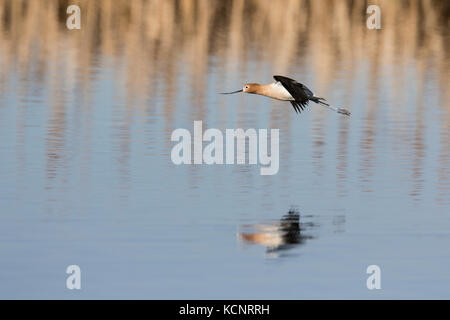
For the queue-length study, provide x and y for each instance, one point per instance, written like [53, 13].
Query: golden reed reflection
[154, 39]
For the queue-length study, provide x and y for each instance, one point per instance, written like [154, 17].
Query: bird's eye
[246, 87]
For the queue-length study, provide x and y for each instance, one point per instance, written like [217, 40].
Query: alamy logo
[213, 153]
[74, 280]
[374, 20]
[74, 20]
[374, 280]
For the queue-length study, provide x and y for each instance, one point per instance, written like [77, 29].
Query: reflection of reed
[370, 125]
[159, 32]
[154, 39]
[418, 141]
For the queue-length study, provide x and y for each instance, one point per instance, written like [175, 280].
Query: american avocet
[287, 89]
[276, 235]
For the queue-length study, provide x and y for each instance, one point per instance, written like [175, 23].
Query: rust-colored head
[248, 88]
[251, 87]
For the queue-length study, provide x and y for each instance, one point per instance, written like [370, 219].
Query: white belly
[277, 91]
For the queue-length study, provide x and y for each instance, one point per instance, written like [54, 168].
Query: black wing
[298, 91]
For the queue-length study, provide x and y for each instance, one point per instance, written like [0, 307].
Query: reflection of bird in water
[287, 89]
[279, 235]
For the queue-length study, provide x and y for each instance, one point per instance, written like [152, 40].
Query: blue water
[86, 179]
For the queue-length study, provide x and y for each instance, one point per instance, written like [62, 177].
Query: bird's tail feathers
[317, 99]
[321, 102]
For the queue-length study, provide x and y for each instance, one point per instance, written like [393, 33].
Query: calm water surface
[86, 176]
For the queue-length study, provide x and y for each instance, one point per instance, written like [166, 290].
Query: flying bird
[287, 89]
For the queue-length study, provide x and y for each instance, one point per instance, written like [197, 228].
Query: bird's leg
[338, 110]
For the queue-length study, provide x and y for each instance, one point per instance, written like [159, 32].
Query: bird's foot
[344, 111]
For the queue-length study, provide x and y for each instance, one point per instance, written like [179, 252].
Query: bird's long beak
[231, 92]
